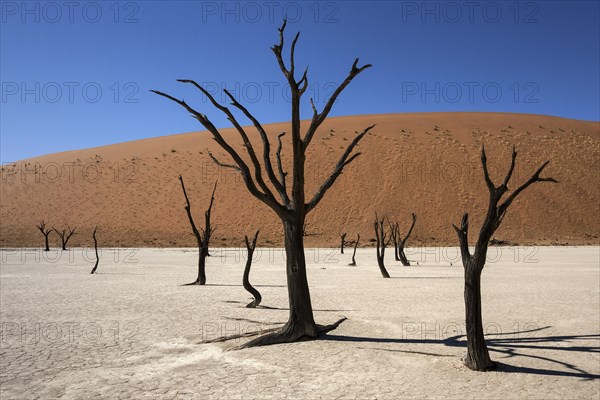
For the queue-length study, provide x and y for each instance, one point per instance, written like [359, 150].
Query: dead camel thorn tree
[46, 233]
[477, 357]
[96, 249]
[382, 242]
[343, 242]
[246, 279]
[400, 243]
[64, 235]
[202, 236]
[291, 207]
[353, 263]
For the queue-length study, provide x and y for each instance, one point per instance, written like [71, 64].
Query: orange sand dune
[424, 162]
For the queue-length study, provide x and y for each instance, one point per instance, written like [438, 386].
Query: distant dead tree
[246, 281]
[353, 263]
[477, 357]
[382, 242]
[343, 241]
[394, 233]
[96, 249]
[46, 233]
[291, 207]
[399, 243]
[202, 236]
[64, 235]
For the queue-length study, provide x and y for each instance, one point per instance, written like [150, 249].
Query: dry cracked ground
[132, 330]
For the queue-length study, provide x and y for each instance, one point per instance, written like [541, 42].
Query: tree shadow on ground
[277, 308]
[509, 346]
[227, 284]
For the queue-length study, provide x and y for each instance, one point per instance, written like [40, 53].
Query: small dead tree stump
[343, 242]
[46, 233]
[246, 281]
[382, 242]
[353, 263]
[202, 235]
[64, 235]
[96, 249]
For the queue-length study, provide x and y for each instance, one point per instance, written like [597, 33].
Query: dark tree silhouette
[382, 242]
[96, 249]
[64, 235]
[291, 208]
[246, 280]
[353, 263]
[477, 357]
[46, 233]
[202, 235]
[400, 244]
[394, 233]
[343, 242]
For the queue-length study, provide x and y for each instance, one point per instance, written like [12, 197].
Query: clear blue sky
[78, 75]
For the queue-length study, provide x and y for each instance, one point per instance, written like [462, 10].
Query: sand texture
[132, 331]
[426, 162]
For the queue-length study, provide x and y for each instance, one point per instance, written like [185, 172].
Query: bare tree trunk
[343, 242]
[353, 263]
[380, 236]
[478, 357]
[246, 280]
[394, 234]
[293, 207]
[402, 242]
[301, 321]
[202, 236]
[46, 233]
[64, 236]
[96, 249]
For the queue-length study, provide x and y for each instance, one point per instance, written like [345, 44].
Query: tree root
[195, 283]
[471, 364]
[288, 334]
[240, 335]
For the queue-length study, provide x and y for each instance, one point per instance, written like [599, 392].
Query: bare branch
[486, 174]
[221, 164]
[277, 50]
[189, 212]
[282, 174]
[463, 237]
[292, 51]
[337, 171]
[511, 169]
[318, 118]
[266, 146]
[412, 225]
[534, 178]
[245, 171]
[241, 131]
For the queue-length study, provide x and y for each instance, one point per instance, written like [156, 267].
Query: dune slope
[425, 162]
